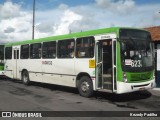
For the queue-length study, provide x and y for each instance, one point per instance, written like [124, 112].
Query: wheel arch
[23, 71]
[81, 75]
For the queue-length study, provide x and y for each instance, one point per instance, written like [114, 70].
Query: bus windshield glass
[136, 50]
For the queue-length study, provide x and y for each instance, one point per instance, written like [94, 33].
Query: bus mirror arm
[98, 64]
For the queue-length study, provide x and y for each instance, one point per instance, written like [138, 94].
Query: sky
[56, 17]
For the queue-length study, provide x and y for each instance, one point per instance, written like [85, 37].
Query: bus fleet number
[136, 63]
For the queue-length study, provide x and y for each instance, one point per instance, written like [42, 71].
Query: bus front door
[105, 66]
[15, 60]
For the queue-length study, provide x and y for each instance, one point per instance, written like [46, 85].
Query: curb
[156, 89]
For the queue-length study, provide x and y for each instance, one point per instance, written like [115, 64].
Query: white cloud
[55, 22]
[44, 27]
[9, 10]
[156, 16]
[16, 24]
[146, 15]
[16, 28]
[121, 6]
[9, 30]
[68, 18]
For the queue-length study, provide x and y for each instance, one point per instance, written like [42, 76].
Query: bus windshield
[136, 50]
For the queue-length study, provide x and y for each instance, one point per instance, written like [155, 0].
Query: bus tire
[25, 77]
[85, 86]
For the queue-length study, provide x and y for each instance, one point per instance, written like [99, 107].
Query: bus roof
[69, 36]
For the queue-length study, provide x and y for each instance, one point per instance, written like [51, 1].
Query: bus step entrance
[107, 81]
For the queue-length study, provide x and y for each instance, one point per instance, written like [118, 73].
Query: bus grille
[139, 77]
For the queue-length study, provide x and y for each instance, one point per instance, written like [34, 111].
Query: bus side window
[8, 53]
[49, 50]
[24, 52]
[35, 51]
[85, 47]
[66, 48]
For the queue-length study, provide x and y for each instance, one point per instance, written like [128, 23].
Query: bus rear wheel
[85, 87]
[25, 77]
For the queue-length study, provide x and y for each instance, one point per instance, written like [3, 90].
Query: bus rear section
[1, 59]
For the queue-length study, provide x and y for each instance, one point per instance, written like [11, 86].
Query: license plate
[142, 88]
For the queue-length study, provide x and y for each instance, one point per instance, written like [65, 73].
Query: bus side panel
[33, 66]
[8, 69]
[82, 66]
[59, 71]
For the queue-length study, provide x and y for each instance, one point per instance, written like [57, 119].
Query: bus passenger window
[8, 53]
[66, 48]
[85, 47]
[35, 51]
[24, 52]
[49, 50]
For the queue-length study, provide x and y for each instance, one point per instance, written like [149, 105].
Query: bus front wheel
[25, 78]
[85, 87]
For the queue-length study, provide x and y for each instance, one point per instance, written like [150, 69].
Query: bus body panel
[54, 71]
[9, 65]
[82, 65]
[59, 71]
[34, 68]
[1, 72]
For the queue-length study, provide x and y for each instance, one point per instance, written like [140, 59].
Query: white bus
[98, 60]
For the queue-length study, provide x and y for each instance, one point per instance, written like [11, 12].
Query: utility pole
[33, 19]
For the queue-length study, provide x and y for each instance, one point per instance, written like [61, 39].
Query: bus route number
[136, 63]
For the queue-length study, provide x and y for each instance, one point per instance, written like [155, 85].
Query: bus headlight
[124, 77]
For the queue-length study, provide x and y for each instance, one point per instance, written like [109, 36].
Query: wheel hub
[25, 78]
[85, 86]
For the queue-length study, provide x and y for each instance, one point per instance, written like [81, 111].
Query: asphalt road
[14, 96]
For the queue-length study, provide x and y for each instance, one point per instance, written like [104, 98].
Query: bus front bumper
[123, 87]
[1, 72]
